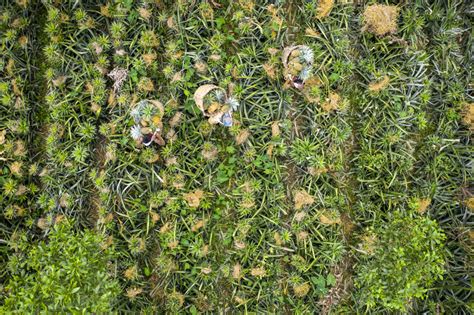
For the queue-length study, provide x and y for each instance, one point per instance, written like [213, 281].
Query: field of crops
[247, 156]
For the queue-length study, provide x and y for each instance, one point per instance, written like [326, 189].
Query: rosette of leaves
[215, 103]
[298, 64]
[148, 118]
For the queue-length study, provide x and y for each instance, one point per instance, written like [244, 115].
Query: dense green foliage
[67, 273]
[353, 195]
[407, 259]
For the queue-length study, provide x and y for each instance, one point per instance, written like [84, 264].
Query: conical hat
[201, 92]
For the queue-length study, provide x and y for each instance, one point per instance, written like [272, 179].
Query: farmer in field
[148, 126]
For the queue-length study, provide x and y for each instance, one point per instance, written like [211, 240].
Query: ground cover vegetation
[236, 156]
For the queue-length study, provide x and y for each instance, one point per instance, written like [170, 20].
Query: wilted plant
[381, 19]
[468, 115]
[324, 8]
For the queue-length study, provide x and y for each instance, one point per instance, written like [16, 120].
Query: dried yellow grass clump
[324, 8]
[470, 203]
[381, 19]
[2, 136]
[423, 205]
[275, 129]
[198, 225]
[301, 290]
[258, 272]
[270, 70]
[302, 198]
[368, 243]
[131, 273]
[194, 198]
[379, 85]
[468, 116]
[237, 271]
[242, 137]
[331, 103]
[329, 217]
[133, 292]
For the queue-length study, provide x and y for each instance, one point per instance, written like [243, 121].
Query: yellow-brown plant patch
[20, 150]
[198, 225]
[301, 236]
[329, 217]
[316, 171]
[379, 85]
[470, 203]
[204, 250]
[200, 66]
[247, 203]
[423, 205]
[302, 198]
[324, 8]
[133, 292]
[166, 228]
[332, 102]
[368, 243]
[276, 129]
[15, 168]
[468, 116]
[22, 189]
[237, 271]
[131, 273]
[42, 223]
[381, 19]
[206, 270]
[210, 154]
[270, 70]
[2, 136]
[278, 239]
[301, 290]
[176, 119]
[194, 199]
[258, 272]
[149, 58]
[144, 13]
[312, 32]
[239, 245]
[242, 137]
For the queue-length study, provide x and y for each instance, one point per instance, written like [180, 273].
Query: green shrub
[406, 260]
[66, 273]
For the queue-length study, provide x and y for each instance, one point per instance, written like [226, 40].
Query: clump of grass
[332, 103]
[324, 8]
[468, 115]
[381, 19]
[379, 85]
